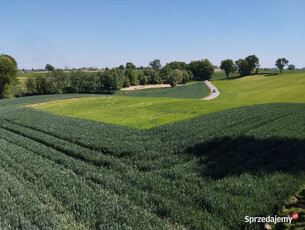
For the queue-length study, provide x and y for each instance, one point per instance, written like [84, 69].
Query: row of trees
[244, 66]
[109, 81]
[58, 81]
[249, 65]
[202, 70]
[173, 73]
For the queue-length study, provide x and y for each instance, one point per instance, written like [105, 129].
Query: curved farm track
[214, 91]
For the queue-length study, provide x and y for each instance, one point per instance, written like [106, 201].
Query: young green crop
[147, 112]
[192, 90]
[204, 173]
[207, 172]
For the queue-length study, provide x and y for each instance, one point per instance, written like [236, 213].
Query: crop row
[204, 173]
[153, 193]
[88, 203]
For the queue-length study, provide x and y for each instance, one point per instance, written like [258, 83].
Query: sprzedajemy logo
[271, 219]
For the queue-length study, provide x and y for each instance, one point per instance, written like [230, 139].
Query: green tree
[202, 69]
[253, 62]
[175, 77]
[77, 81]
[178, 65]
[291, 67]
[11, 58]
[280, 63]
[8, 74]
[243, 67]
[92, 83]
[31, 86]
[130, 65]
[49, 67]
[81, 82]
[237, 65]
[56, 81]
[133, 78]
[185, 77]
[41, 87]
[155, 65]
[228, 66]
[142, 78]
[165, 71]
[111, 80]
[126, 82]
[247, 65]
[191, 75]
[121, 67]
[152, 76]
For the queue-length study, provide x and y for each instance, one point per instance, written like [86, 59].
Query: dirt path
[213, 95]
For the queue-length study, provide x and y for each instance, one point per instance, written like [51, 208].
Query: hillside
[147, 112]
[172, 176]
[207, 171]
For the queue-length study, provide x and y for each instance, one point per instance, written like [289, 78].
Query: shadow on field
[224, 78]
[226, 156]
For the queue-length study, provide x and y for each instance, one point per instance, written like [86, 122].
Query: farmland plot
[204, 173]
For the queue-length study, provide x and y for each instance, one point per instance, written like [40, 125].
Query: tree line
[250, 65]
[57, 81]
[245, 66]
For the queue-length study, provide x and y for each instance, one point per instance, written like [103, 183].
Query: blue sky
[77, 33]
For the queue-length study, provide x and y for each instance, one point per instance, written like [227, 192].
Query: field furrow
[22, 161]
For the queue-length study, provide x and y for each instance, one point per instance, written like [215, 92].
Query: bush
[31, 86]
[291, 67]
[41, 85]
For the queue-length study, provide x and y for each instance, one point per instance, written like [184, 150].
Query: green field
[138, 112]
[192, 90]
[179, 163]
[203, 173]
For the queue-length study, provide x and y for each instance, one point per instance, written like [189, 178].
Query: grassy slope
[150, 112]
[222, 75]
[258, 89]
[130, 111]
[204, 173]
